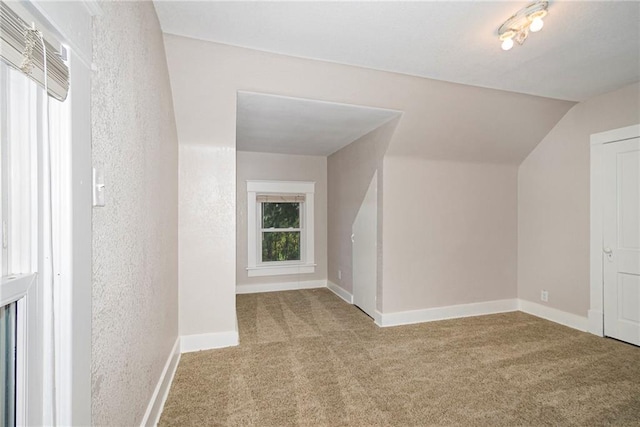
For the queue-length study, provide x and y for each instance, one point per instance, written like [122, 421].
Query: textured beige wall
[497, 127]
[135, 236]
[349, 172]
[281, 167]
[207, 242]
[449, 233]
[553, 205]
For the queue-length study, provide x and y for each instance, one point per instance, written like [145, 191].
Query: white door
[621, 243]
[364, 251]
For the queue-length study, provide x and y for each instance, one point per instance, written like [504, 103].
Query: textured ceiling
[585, 48]
[277, 124]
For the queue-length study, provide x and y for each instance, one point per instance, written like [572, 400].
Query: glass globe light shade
[507, 44]
[536, 25]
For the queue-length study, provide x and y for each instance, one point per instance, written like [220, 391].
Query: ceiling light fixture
[518, 26]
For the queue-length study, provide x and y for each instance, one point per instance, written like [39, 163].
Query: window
[26, 272]
[280, 227]
[8, 365]
[45, 214]
[20, 142]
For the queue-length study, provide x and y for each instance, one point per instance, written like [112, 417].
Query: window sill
[279, 270]
[15, 287]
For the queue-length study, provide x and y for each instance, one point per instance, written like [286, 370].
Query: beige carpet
[308, 358]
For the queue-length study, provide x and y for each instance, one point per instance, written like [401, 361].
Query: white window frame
[306, 265]
[68, 23]
[22, 272]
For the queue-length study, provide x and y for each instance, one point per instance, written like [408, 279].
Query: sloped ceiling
[586, 47]
[440, 120]
[277, 124]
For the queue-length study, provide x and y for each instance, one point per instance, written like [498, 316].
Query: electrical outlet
[544, 296]
[339, 274]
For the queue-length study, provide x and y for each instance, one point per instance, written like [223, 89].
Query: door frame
[598, 140]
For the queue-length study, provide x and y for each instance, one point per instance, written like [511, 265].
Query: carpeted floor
[307, 358]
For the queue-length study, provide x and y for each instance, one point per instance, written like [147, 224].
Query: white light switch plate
[98, 187]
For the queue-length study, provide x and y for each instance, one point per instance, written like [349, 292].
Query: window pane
[280, 215]
[8, 365]
[281, 246]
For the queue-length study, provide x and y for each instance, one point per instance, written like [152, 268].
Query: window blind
[20, 47]
[280, 198]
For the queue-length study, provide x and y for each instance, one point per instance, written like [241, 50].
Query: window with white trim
[280, 228]
[21, 141]
[33, 131]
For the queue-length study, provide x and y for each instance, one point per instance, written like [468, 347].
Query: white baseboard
[553, 314]
[377, 318]
[159, 397]
[340, 292]
[596, 322]
[275, 287]
[448, 312]
[198, 342]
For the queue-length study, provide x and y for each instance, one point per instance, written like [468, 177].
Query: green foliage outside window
[280, 245]
[281, 215]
